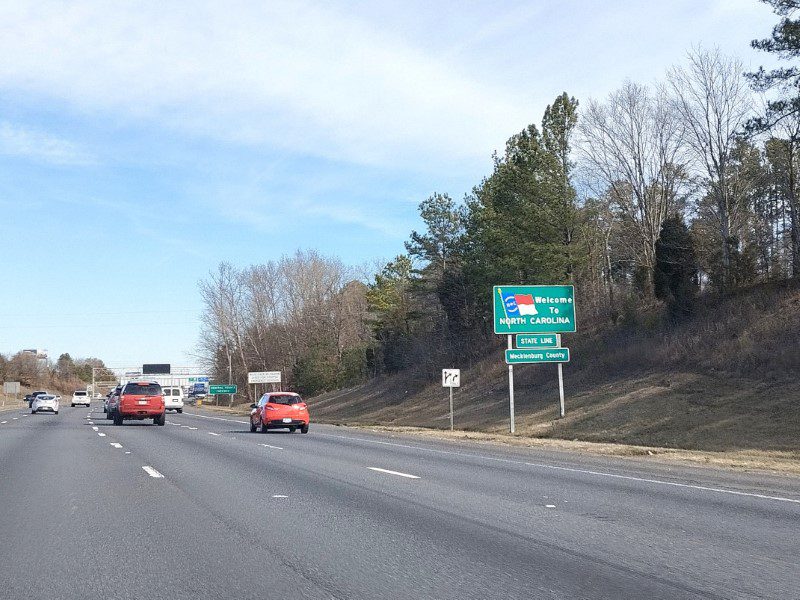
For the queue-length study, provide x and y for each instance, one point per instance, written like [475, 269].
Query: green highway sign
[222, 389]
[552, 355]
[547, 340]
[533, 308]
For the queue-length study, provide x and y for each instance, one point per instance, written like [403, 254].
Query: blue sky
[142, 145]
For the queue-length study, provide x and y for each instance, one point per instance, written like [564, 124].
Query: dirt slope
[727, 379]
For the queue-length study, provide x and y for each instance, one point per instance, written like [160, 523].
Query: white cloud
[20, 141]
[299, 76]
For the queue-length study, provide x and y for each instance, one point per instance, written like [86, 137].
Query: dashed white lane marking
[549, 505]
[127, 452]
[3, 422]
[568, 469]
[116, 445]
[91, 422]
[102, 434]
[23, 416]
[152, 472]
[13, 418]
[216, 418]
[268, 446]
[95, 429]
[279, 496]
[193, 428]
[212, 433]
[185, 426]
[398, 473]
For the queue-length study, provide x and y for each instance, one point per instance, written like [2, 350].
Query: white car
[80, 397]
[173, 398]
[45, 403]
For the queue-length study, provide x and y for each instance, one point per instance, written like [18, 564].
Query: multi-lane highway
[201, 508]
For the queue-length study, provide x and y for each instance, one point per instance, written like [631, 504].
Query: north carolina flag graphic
[525, 304]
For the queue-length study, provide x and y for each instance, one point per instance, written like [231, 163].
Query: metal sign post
[451, 378]
[511, 388]
[560, 383]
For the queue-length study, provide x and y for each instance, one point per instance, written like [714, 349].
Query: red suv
[279, 410]
[138, 400]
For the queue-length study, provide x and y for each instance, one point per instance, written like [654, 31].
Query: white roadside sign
[264, 377]
[451, 378]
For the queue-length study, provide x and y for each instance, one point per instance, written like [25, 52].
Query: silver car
[45, 403]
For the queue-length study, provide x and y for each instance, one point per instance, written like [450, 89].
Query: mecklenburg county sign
[534, 309]
[550, 355]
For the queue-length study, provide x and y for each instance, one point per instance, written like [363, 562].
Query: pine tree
[675, 271]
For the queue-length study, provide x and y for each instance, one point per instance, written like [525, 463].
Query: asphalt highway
[202, 508]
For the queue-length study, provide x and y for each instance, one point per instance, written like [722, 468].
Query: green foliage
[785, 43]
[674, 277]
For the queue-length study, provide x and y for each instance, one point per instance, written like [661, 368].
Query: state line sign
[533, 308]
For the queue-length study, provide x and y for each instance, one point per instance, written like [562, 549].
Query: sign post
[537, 315]
[451, 378]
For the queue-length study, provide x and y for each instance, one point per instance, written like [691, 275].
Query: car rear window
[142, 389]
[168, 391]
[79, 394]
[285, 399]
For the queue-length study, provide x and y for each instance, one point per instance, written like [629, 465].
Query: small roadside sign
[11, 387]
[222, 389]
[552, 355]
[264, 377]
[533, 308]
[451, 378]
[534, 340]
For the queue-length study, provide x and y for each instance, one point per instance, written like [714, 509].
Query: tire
[72, 406]
[253, 427]
[160, 420]
[304, 428]
[180, 410]
[108, 416]
[33, 412]
[117, 418]
[56, 412]
[263, 428]
[292, 429]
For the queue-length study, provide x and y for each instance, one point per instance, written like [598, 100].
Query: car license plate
[142, 402]
[287, 420]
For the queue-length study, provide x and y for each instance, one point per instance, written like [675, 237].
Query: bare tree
[714, 102]
[632, 147]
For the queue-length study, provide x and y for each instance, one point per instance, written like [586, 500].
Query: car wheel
[253, 427]
[304, 428]
[292, 429]
[56, 412]
[117, 418]
[263, 428]
[161, 419]
[72, 406]
[180, 410]
[33, 412]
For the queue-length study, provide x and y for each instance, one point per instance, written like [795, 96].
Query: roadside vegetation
[673, 208]
[65, 375]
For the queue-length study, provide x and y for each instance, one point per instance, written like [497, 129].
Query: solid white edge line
[398, 473]
[152, 472]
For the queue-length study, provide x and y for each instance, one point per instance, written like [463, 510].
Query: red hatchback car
[279, 410]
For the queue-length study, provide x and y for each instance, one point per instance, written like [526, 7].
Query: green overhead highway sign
[546, 340]
[552, 355]
[533, 308]
[222, 389]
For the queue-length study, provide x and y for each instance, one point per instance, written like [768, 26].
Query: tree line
[649, 197]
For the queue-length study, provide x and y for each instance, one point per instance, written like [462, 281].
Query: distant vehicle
[80, 397]
[279, 410]
[137, 400]
[29, 398]
[198, 390]
[173, 398]
[45, 403]
[108, 398]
